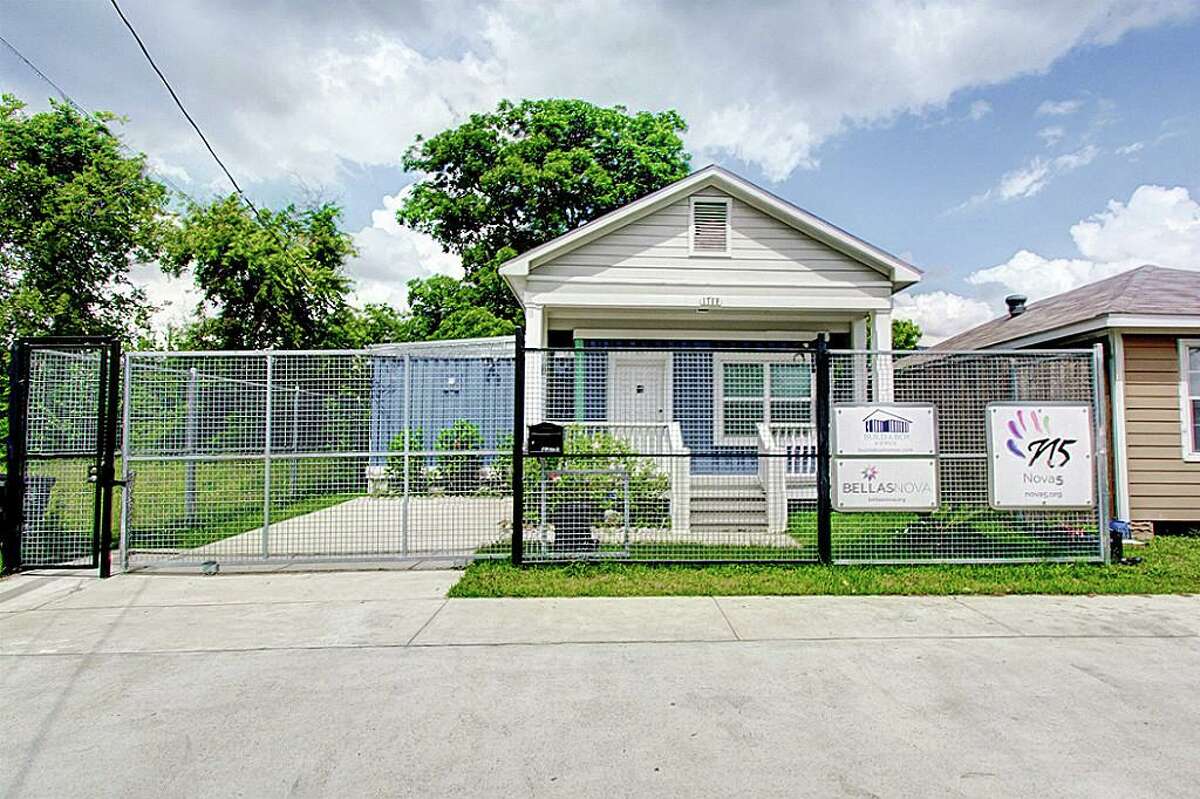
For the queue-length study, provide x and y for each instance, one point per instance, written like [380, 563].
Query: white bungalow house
[712, 262]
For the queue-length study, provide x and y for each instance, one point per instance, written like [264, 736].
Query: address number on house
[870, 484]
[884, 429]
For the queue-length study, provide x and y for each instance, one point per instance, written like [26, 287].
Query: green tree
[272, 281]
[509, 180]
[75, 213]
[906, 334]
[374, 323]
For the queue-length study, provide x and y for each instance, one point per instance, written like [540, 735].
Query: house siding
[482, 394]
[1162, 485]
[768, 259]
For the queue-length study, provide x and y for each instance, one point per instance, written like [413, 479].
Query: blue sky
[999, 145]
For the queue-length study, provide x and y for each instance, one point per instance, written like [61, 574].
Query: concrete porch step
[740, 505]
[737, 518]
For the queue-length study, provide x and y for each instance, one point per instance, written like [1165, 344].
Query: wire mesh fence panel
[391, 452]
[677, 452]
[965, 525]
[61, 425]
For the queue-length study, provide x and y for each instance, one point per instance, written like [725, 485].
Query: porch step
[748, 503]
[741, 521]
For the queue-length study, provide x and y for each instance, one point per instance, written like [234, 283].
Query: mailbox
[545, 438]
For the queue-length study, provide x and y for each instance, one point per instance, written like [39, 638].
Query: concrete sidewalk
[370, 683]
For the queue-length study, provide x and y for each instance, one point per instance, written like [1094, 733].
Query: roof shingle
[1147, 290]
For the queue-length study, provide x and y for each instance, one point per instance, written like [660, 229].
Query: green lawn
[1170, 565]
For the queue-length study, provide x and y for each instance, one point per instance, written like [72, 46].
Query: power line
[196, 127]
[179, 103]
[89, 115]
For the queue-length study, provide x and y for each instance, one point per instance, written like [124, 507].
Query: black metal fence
[713, 451]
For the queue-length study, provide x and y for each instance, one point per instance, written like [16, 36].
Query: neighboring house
[1148, 320]
[711, 262]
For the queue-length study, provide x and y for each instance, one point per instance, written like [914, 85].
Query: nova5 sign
[1040, 456]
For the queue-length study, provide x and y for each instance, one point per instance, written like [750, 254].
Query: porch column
[858, 341]
[881, 341]
[535, 364]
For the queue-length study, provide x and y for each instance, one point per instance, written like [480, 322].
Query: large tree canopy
[272, 281]
[75, 213]
[506, 181]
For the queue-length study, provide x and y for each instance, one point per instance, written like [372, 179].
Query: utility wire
[89, 115]
[196, 127]
[179, 103]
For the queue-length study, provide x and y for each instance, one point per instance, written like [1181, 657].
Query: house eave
[900, 273]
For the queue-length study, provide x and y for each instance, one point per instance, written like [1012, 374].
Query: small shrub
[649, 487]
[460, 473]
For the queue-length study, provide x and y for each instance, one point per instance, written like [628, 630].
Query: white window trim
[1190, 454]
[720, 360]
[728, 203]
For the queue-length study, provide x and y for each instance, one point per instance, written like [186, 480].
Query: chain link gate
[720, 451]
[61, 448]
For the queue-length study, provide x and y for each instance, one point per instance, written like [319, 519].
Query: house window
[1189, 397]
[709, 226]
[753, 389]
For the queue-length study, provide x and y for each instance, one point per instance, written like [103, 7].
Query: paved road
[370, 684]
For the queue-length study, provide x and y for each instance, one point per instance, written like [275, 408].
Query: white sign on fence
[884, 429]
[868, 484]
[1040, 456]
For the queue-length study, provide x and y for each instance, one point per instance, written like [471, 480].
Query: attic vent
[710, 226]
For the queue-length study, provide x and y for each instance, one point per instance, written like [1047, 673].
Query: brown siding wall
[1162, 486]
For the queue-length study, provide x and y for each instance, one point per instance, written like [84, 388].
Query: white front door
[638, 391]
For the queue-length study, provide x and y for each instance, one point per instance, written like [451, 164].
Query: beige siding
[1162, 485]
[768, 259]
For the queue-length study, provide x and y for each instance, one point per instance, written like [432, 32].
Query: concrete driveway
[371, 684]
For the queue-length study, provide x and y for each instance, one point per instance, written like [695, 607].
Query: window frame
[728, 203]
[1187, 423]
[723, 359]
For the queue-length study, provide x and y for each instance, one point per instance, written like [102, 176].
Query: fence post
[109, 445]
[407, 450]
[126, 469]
[1100, 434]
[518, 450]
[14, 493]
[824, 499]
[189, 448]
[266, 526]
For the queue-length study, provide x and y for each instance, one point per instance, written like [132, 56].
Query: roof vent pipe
[1016, 304]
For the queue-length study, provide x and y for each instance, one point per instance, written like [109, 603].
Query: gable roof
[1145, 291]
[898, 271]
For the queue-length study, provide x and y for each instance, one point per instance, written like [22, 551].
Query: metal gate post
[14, 494]
[518, 450]
[189, 447]
[126, 469]
[108, 470]
[824, 498]
[266, 526]
[407, 452]
[1100, 435]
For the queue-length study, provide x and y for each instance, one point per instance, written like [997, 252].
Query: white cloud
[1052, 134]
[1029, 179]
[390, 254]
[1158, 225]
[175, 298]
[303, 88]
[941, 314]
[1132, 148]
[1059, 108]
[978, 110]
